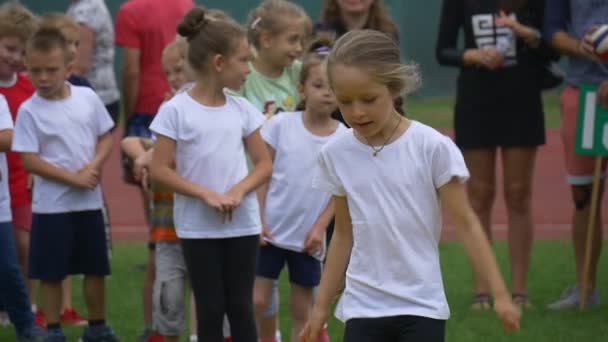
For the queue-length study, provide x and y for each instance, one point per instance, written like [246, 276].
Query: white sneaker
[570, 299]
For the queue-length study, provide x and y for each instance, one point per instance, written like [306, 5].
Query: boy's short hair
[46, 39]
[59, 21]
[17, 21]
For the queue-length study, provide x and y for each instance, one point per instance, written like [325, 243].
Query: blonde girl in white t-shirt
[205, 133]
[390, 177]
[295, 216]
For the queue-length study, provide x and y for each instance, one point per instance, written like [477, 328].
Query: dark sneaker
[55, 336]
[33, 334]
[99, 334]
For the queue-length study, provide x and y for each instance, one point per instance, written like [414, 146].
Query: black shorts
[394, 329]
[68, 243]
[304, 270]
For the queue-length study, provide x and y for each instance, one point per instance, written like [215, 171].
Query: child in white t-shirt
[295, 217]
[390, 176]
[202, 135]
[13, 292]
[63, 135]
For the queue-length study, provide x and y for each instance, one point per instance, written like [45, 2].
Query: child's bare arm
[133, 147]
[86, 178]
[6, 138]
[314, 240]
[334, 271]
[454, 198]
[262, 191]
[102, 150]
[262, 171]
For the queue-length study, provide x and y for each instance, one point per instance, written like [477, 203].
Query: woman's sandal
[481, 302]
[522, 300]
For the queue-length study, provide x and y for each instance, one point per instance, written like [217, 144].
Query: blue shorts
[138, 125]
[304, 270]
[68, 243]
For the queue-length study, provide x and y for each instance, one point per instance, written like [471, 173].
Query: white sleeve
[325, 178]
[6, 121]
[25, 136]
[103, 119]
[447, 162]
[165, 122]
[252, 118]
[271, 131]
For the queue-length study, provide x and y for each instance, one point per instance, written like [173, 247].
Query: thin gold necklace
[378, 150]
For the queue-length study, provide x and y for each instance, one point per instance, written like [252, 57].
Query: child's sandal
[522, 300]
[481, 302]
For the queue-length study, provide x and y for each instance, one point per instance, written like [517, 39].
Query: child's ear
[218, 62]
[265, 40]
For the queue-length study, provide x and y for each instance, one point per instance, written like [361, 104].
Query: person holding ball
[569, 28]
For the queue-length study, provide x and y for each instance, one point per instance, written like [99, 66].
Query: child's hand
[508, 313]
[313, 245]
[87, 177]
[223, 205]
[315, 324]
[265, 236]
[139, 165]
[236, 195]
[145, 184]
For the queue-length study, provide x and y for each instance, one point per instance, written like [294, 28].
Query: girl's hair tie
[322, 50]
[255, 23]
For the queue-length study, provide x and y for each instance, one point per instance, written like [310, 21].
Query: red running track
[552, 205]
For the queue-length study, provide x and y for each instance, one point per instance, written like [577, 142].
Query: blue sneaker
[570, 299]
[33, 334]
[99, 334]
[55, 335]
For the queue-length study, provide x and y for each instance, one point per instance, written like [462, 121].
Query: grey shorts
[170, 289]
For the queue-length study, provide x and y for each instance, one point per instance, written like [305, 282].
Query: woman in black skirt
[498, 108]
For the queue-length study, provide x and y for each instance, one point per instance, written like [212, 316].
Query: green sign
[592, 124]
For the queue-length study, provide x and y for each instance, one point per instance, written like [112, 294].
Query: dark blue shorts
[304, 270]
[138, 125]
[68, 243]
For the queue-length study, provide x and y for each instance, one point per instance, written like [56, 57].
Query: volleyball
[600, 42]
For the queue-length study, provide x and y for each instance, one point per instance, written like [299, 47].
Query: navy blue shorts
[304, 270]
[68, 243]
[138, 125]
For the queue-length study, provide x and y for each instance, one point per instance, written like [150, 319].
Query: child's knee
[169, 317]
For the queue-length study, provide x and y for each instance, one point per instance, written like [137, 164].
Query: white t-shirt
[396, 216]
[6, 122]
[63, 133]
[210, 152]
[292, 206]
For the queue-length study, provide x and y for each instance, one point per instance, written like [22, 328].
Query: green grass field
[552, 269]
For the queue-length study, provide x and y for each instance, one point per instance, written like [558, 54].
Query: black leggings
[394, 329]
[222, 272]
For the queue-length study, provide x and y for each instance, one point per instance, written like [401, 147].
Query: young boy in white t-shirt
[63, 135]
